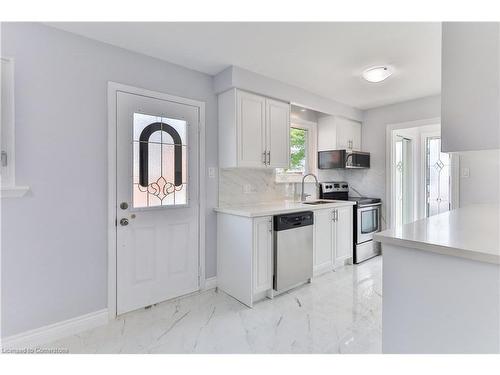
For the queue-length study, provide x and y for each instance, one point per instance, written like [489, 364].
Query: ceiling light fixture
[377, 73]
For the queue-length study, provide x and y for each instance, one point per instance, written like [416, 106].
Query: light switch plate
[211, 172]
[465, 173]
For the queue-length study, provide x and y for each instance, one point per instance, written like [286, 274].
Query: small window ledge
[13, 191]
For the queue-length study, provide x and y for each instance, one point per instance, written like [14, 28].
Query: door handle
[269, 158]
[124, 222]
[264, 157]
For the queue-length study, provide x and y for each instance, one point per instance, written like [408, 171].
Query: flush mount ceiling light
[377, 73]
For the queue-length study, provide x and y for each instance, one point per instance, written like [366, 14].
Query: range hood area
[343, 159]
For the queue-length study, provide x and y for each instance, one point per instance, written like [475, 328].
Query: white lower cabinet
[245, 256]
[323, 241]
[333, 238]
[262, 254]
[343, 236]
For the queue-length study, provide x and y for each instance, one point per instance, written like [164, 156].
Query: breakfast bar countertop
[470, 232]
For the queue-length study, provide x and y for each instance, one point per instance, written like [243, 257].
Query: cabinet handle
[264, 158]
[269, 158]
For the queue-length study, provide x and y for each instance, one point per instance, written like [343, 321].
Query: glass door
[403, 181]
[437, 178]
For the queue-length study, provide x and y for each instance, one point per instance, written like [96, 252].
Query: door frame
[389, 160]
[113, 89]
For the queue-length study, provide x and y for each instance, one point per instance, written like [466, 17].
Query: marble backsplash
[246, 186]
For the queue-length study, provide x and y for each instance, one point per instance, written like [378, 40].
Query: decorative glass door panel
[437, 178]
[403, 181]
[159, 175]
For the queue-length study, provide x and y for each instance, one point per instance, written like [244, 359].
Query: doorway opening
[423, 181]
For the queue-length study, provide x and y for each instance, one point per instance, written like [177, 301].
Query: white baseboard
[210, 283]
[322, 268]
[56, 331]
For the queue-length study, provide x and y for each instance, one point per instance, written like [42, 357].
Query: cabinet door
[327, 133]
[348, 134]
[356, 135]
[323, 238]
[278, 133]
[343, 234]
[251, 124]
[262, 254]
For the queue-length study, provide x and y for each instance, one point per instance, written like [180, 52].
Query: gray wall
[481, 186]
[54, 245]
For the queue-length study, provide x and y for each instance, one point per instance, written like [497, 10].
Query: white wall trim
[210, 283]
[56, 331]
[113, 88]
[14, 191]
[322, 269]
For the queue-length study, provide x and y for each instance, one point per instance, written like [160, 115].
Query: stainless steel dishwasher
[293, 249]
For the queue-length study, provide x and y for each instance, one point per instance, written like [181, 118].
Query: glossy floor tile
[339, 312]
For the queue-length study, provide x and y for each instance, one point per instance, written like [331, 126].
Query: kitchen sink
[317, 202]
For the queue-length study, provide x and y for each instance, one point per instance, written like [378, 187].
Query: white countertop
[277, 208]
[470, 232]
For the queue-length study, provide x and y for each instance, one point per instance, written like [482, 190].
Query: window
[8, 179]
[159, 175]
[302, 152]
[298, 150]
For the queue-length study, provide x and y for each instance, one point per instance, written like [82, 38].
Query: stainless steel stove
[366, 216]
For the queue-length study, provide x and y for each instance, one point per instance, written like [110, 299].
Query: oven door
[368, 221]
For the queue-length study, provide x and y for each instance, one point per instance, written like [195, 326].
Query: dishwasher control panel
[294, 220]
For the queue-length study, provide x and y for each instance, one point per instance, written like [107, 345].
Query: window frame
[312, 148]
[8, 187]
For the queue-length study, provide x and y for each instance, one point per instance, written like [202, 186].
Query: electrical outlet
[465, 173]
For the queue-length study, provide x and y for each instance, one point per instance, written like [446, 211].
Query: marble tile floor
[339, 312]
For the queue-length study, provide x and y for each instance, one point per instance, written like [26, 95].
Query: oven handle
[369, 205]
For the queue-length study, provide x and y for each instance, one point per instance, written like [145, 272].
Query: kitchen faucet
[302, 195]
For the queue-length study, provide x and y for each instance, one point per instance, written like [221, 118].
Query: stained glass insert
[159, 176]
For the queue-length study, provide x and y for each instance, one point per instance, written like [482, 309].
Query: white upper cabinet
[278, 133]
[338, 133]
[251, 129]
[470, 109]
[254, 131]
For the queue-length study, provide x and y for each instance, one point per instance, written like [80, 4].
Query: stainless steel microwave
[343, 159]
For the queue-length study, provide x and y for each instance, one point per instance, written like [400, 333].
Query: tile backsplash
[246, 186]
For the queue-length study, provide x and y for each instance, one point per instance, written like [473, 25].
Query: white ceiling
[324, 58]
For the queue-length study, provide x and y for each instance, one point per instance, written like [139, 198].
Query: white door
[262, 254]
[343, 233]
[251, 122]
[278, 133]
[157, 200]
[323, 238]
